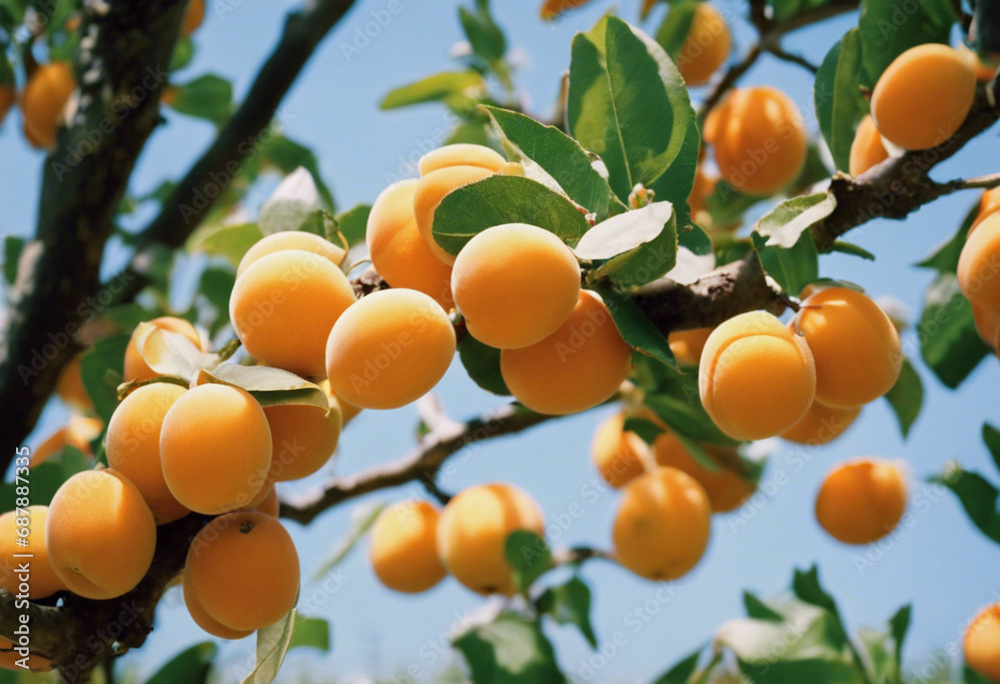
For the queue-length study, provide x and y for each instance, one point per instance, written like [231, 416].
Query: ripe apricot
[403, 549]
[988, 204]
[291, 239]
[271, 505]
[43, 100]
[618, 454]
[854, 344]
[133, 446]
[136, 367]
[662, 525]
[433, 188]
[7, 98]
[473, 530]
[706, 47]
[79, 432]
[977, 270]
[756, 378]
[100, 534]
[867, 149]
[70, 387]
[42, 580]
[515, 285]
[283, 308]
[389, 349]
[244, 570]
[931, 79]
[303, 437]
[193, 16]
[347, 410]
[399, 252]
[203, 619]
[759, 139]
[861, 501]
[215, 447]
[578, 366]
[821, 424]
[987, 324]
[687, 344]
[461, 154]
[9, 659]
[982, 643]
[725, 489]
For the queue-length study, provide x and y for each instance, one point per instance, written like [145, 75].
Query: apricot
[44, 98]
[987, 324]
[687, 344]
[283, 308]
[79, 432]
[759, 139]
[291, 239]
[982, 643]
[756, 379]
[42, 581]
[854, 344]
[100, 534]
[244, 570]
[861, 501]
[303, 437]
[553, 8]
[7, 98]
[821, 424]
[662, 525]
[389, 349]
[472, 535]
[348, 411]
[988, 204]
[515, 285]
[403, 549]
[193, 16]
[399, 252]
[433, 188]
[461, 154]
[575, 368]
[215, 447]
[867, 149]
[726, 491]
[706, 47]
[9, 659]
[977, 270]
[271, 505]
[136, 367]
[619, 455]
[70, 387]
[203, 619]
[133, 446]
[982, 68]
[932, 80]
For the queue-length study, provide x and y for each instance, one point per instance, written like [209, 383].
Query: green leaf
[183, 54]
[727, 205]
[569, 604]
[792, 268]
[977, 496]
[682, 671]
[969, 676]
[991, 437]
[47, 477]
[291, 204]
[206, 97]
[807, 587]
[839, 102]
[888, 30]
[945, 258]
[676, 26]
[906, 397]
[353, 224]
[191, 665]
[642, 244]
[678, 403]
[899, 625]
[272, 645]
[310, 632]
[852, 250]
[12, 247]
[101, 369]
[783, 225]
[627, 103]
[675, 186]
[496, 200]
[485, 37]
[216, 286]
[647, 430]
[949, 343]
[269, 386]
[548, 152]
[880, 663]
[288, 155]
[635, 327]
[510, 650]
[759, 610]
[229, 241]
[528, 555]
[362, 518]
[458, 84]
[482, 363]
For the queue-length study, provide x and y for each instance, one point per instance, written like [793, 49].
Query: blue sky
[936, 560]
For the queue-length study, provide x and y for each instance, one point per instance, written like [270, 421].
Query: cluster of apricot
[979, 268]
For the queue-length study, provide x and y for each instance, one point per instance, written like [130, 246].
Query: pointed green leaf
[206, 97]
[229, 241]
[991, 437]
[569, 604]
[977, 496]
[191, 665]
[839, 102]
[945, 258]
[47, 477]
[353, 224]
[682, 671]
[625, 233]
[676, 26]
[101, 368]
[783, 225]
[12, 246]
[291, 204]
[759, 610]
[792, 268]
[888, 30]
[906, 397]
[509, 650]
[310, 632]
[635, 327]
[272, 645]
[485, 37]
[949, 343]
[269, 386]
[482, 363]
[899, 625]
[528, 555]
[435, 89]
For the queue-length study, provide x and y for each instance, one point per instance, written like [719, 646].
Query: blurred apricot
[403, 549]
[861, 501]
[44, 98]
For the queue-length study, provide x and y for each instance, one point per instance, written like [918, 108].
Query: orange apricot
[271, 505]
[403, 549]
[706, 47]
[133, 446]
[348, 411]
[100, 534]
[553, 8]
[756, 378]
[618, 454]
[203, 619]
[977, 264]
[193, 16]
[136, 367]
[472, 535]
[867, 149]
[861, 501]
[854, 344]
[44, 98]
[433, 188]
[981, 645]
[303, 437]
[515, 285]
[931, 79]
[283, 308]
[79, 432]
[291, 239]
[461, 154]
[987, 324]
[215, 447]
[244, 570]
[726, 491]
[399, 252]
[70, 387]
[42, 580]
[687, 344]
[662, 525]
[575, 368]
[988, 204]
[389, 349]
[821, 424]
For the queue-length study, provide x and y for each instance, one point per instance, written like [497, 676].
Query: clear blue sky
[940, 562]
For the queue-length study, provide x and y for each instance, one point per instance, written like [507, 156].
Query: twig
[785, 56]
